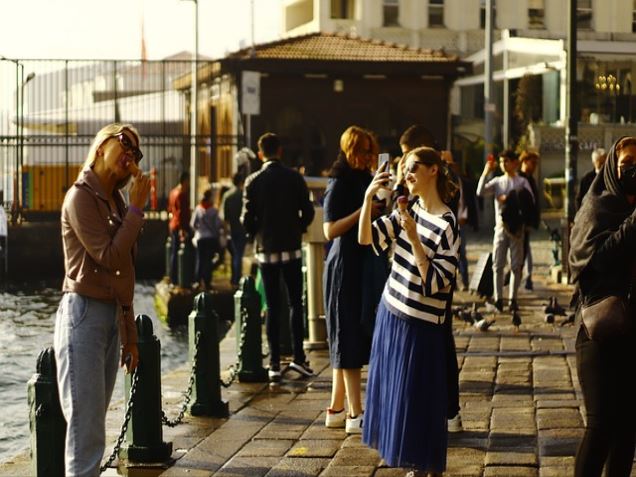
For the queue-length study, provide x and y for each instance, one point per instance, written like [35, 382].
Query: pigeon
[549, 318]
[483, 324]
[516, 319]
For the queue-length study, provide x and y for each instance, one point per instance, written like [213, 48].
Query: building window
[584, 14]
[436, 13]
[343, 9]
[634, 18]
[536, 12]
[482, 16]
[390, 10]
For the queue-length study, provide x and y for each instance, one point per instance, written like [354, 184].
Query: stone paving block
[484, 343]
[559, 419]
[546, 344]
[242, 466]
[559, 442]
[512, 420]
[183, 471]
[296, 467]
[479, 363]
[315, 448]
[469, 438]
[552, 404]
[557, 461]
[271, 401]
[515, 343]
[354, 440]
[393, 472]
[266, 448]
[458, 457]
[556, 471]
[555, 395]
[505, 471]
[481, 387]
[356, 456]
[507, 443]
[199, 459]
[512, 458]
[349, 471]
[500, 400]
[280, 431]
[319, 431]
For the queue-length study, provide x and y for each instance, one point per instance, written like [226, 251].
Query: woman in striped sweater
[405, 415]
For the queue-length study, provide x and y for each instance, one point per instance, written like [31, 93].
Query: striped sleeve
[443, 266]
[383, 232]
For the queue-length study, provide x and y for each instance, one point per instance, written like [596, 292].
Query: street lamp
[29, 77]
[193, 108]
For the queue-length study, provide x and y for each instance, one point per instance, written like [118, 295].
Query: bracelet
[136, 210]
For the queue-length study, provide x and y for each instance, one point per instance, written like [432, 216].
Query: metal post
[506, 98]
[144, 436]
[204, 348]
[46, 421]
[489, 105]
[571, 133]
[66, 129]
[193, 108]
[247, 316]
[314, 242]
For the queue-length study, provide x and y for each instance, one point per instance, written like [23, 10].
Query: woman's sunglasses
[414, 165]
[128, 146]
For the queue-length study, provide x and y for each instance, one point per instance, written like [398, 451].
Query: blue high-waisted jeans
[87, 353]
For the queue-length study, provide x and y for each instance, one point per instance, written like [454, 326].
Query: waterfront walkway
[520, 404]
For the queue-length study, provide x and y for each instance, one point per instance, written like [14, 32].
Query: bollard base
[313, 345]
[157, 453]
[257, 376]
[220, 408]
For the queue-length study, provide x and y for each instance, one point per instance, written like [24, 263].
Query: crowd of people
[397, 255]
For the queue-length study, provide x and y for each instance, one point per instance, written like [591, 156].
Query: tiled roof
[335, 47]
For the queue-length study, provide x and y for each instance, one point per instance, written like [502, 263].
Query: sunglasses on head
[128, 146]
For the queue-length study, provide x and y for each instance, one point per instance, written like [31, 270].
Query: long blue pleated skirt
[405, 413]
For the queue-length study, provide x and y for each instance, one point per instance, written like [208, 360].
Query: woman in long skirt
[405, 417]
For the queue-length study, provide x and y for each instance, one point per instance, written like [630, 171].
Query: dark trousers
[206, 249]
[452, 371]
[291, 273]
[174, 250]
[606, 374]
[237, 249]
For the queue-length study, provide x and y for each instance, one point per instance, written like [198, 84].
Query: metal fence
[50, 111]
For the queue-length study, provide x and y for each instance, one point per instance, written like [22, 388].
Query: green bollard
[247, 316]
[46, 421]
[185, 263]
[144, 436]
[206, 393]
[168, 256]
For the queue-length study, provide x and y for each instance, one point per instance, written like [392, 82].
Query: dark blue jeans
[205, 252]
[174, 250]
[291, 273]
[237, 249]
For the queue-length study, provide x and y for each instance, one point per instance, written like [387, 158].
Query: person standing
[413, 137]
[208, 229]
[505, 239]
[529, 162]
[179, 225]
[276, 212]
[603, 263]
[95, 316]
[353, 278]
[231, 206]
[406, 399]
[598, 159]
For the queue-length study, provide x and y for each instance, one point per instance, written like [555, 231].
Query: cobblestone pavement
[520, 405]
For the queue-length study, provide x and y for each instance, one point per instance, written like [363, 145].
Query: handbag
[607, 319]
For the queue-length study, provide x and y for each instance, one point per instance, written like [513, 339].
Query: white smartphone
[382, 159]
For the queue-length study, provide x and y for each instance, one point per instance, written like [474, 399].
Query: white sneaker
[455, 424]
[354, 424]
[335, 419]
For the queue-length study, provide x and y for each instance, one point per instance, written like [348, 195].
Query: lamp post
[29, 77]
[15, 204]
[193, 109]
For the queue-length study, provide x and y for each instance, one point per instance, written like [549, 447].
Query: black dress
[354, 276]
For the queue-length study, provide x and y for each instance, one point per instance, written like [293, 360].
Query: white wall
[614, 16]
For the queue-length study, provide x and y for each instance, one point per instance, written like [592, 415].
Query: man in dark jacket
[276, 212]
[598, 159]
[529, 161]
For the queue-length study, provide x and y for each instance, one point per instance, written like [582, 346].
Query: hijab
[604, 208]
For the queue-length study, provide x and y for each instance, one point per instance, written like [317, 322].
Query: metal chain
[188, 393]
[124, 426]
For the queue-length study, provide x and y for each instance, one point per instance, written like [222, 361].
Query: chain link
[188, 393]
[127, 416]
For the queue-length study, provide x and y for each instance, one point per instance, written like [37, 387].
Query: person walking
[95, 317]
[276, 212]
[353, 277]
[406, 398]
[602, 264]
[231, 205]
[598, 159]
[208, 230]
[505, 237]
[529, 161]
[179, 225]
